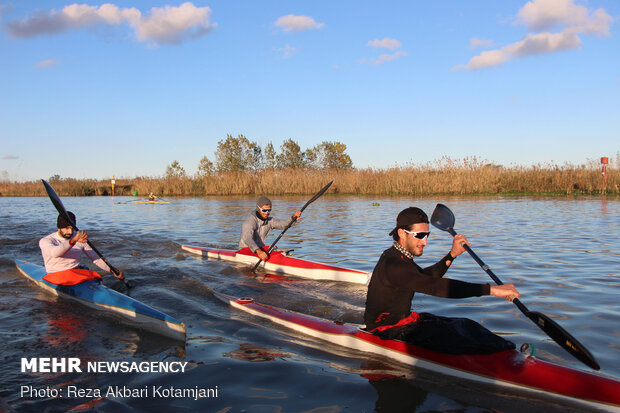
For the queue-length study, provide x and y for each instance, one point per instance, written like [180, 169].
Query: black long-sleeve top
[397, 278]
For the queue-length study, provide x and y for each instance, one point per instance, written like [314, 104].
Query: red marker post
[604, 161]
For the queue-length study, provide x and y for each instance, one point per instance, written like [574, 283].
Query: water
[562, 253]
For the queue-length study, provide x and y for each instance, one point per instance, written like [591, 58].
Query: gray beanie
[263, 200]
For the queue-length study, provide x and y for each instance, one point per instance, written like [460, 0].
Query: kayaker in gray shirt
[255, 229]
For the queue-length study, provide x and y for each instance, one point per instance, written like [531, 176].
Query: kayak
[96, 295]
[510, 369]
[281, 264]
[149, 202]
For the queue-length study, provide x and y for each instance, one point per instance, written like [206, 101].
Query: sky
[95, 90]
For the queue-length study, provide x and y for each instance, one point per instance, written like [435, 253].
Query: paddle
[62, 211]
[443, 219]
[314, 198]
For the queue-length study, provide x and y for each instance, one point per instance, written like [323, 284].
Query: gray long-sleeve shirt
[254, 230]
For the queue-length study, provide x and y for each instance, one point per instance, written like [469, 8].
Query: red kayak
[281, 264]
[509, 369]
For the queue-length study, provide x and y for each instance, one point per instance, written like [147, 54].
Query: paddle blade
[317, 195]
[442, 218]
[563, 338]
[58, 203]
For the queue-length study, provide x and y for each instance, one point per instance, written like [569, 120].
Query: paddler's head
[263, 207]
[412, 230]
[65, 228]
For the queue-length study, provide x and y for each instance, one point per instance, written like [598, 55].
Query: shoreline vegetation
[243, 167]
[445, 177]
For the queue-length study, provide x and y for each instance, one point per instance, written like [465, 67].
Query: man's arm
[440, 268]
[94, 257]
[408, 275]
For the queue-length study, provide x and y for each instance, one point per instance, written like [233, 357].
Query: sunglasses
[264, 209]
[419, 235]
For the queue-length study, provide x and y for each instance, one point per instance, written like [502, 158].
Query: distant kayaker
[396, 278]
[152, 197]
[255, 229]
[62, 251]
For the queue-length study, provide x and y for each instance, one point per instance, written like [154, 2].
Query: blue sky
[91, 90]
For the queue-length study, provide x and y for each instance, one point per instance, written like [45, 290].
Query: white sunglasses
[419, 235]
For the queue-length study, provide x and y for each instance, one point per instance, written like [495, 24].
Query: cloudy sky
[91, 90]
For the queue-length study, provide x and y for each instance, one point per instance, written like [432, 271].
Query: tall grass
[446, 176]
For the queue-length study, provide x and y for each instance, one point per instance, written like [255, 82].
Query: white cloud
[383, 58]
[297, 23]
[475, 43]
[385, 43]
[538, 15]
[174, 24]
[165, 25]
[10, 157]
[539, 43]
[47, 63]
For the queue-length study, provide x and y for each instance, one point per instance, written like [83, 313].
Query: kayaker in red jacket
[62, 251]
[396, 278]
[255, 229]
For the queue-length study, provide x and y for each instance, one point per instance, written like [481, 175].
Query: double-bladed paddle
[63, 212]
[443, 219]
[314, 198]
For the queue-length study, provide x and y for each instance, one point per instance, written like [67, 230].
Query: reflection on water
[562, 253]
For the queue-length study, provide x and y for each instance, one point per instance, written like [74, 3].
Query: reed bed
[444, 177]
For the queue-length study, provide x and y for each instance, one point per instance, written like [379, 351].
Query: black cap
[61, 222]
[409, 216]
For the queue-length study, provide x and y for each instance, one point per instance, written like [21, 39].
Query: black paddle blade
[58, 203]
[563, 338]
[442, 218]
[317, 195]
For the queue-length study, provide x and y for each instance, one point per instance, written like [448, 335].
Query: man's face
[412, 244]
[66, 232]
[264, 211]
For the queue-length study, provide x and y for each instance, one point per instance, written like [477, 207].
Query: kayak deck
[281, 264]
[509, 369]
[96, 295]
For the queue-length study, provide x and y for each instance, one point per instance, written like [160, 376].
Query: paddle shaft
[487, 269]
[314, 198]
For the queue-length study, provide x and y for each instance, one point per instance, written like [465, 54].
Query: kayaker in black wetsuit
[395, 280]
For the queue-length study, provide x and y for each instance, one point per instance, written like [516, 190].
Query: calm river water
[562, 253]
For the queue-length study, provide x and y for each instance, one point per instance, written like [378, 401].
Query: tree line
[242, 155]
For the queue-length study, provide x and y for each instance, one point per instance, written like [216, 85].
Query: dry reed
[444, 177]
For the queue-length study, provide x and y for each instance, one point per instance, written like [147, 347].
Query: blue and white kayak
[96, 295]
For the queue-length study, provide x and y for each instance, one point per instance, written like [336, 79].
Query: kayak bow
[508, 369]
[281, 264]
[96, 295]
